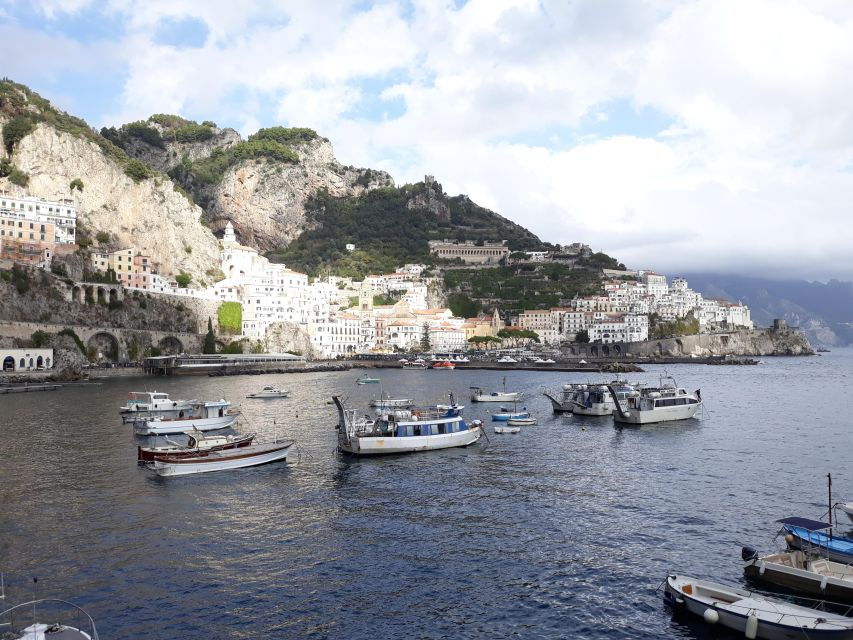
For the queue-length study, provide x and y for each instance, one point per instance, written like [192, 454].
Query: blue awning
[805, 523]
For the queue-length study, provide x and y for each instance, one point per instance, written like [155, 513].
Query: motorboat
[598, 400]
[521, 422]
[445, 365]
[58, 611]
[494, 396]
[251, 456]
[505, 415]
[404, 430]
[507, 359]
[197, 445]
[203, 416]
[801, 572]
[151, 404]
[753, 614]
[563, 401]
[418, 364]
[451, 406]
[269, 392]
[809, 535]
[665, 403]
[499, 428]
[387, 402]
[367, 380]
[846, 507]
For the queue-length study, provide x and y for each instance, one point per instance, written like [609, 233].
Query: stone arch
[593, 351]
[101, 293]
[39, 362]
[680, 345]
[617, 349]
[724, 340]
[32, 363]
[22, 364]
[105, 346]
[605, 350]
[8, 363]
[76, 293]
[113, 295]
[573, 351]
[170, 346]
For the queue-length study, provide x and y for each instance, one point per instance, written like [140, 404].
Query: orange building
[26, 241]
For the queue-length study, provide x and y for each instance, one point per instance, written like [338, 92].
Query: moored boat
[499, 428]
[404, 430]
[445, 365]
[367, 380]
[505, 415]
[598, 400]
[563, 401]
[152, 404]
[418, 364]
[495, 396]
[204, 416]
[387, 402]
[846, 507]
[195, 446]
[665, 403]
[808, 535]
[251, 456]
[801, 572]
[753, 614]
[269, 392]
[54, 609]
[521, 422]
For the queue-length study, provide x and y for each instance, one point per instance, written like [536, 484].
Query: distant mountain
[823, 310]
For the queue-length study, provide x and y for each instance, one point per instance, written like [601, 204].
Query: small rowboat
[754, 615]
[502, 429]
[196, 446]
[801, 572]
[367, 380]
[521, 422]
[251, 456]
[504, 416]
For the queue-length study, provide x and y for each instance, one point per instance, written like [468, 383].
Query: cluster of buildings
[33, 230]
[621, 313]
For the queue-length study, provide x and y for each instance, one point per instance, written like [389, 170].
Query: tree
[425, 345]
[16, 130]
[209, 345]
[183, 279]
[582, 336]
[76, 183]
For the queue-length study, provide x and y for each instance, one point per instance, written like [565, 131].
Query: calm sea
[564, 530]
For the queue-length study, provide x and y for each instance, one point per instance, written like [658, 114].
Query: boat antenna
[35, 582]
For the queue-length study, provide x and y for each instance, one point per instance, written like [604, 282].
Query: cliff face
[758, 342]
[149, 215]
[174, 151]
[265, 199]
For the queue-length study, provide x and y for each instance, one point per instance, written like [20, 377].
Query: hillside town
[383, 313]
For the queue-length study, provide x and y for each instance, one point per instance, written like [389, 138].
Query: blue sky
[698, 134]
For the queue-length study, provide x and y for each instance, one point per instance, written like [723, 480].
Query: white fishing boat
[846, 507]
[521, 422]
[499, 428]
[269, 392]
[801, 572]
[58, 611]
[387, 402]
[415, 365]
[665, 403]
[598, 400]
[203, 416]
[367, 380]
[404, 431]
[563, 401]
[251, 456]
[151, 404]
[495, 396]
[753, 614]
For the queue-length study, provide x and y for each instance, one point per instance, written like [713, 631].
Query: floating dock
[30, 388]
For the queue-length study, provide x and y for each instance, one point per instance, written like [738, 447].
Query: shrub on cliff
[18, 177]
[183, 279]
[192, 132]
[71, 334]
[16, 130]
[40, 338]
[136, 171]
[285, 135]
[230, 315]
[144, 132]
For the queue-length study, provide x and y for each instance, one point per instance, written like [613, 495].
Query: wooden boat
[251, 456]
[808, 535]
[521, 422]
[446, 365]
[269, 392]
[801, 572]
[504, 429]
[754, 615]
[404, 430]
[367, 380]
[196, 446]
[666, 403]
[495, 396]
[204, 416]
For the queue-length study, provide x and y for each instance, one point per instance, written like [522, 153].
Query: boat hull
[164, 428]
[372, 445]
[498, 397]
[560, 407]
[661, 414]
[147, 454]
[149, 414]
[268, 396]
[506, 417]
[596, 409]
[238, 459]
[801, 581]
[766, 629]
[834, 548]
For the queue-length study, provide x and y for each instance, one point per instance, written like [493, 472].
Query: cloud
[745, 161]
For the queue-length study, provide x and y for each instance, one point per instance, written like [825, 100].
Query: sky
[683, 136]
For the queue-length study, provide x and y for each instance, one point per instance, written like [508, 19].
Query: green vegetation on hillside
[522, 287]
[230, 315]
[285, 135]
[386, 233]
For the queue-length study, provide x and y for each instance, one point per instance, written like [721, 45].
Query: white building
[15, 360]
[62, 214]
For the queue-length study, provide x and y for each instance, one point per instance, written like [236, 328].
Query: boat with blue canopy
[404, 430]
[810, 535]
[505, 415]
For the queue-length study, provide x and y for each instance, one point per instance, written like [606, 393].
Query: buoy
[711, 616]
[823, 584]
[789, 539]
[751, 630]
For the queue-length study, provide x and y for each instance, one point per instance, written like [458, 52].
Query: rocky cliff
[758, 342]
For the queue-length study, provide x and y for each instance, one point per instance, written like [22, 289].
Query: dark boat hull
[146, 454]
[799, 584]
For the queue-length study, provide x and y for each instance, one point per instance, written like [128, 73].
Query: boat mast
[829, 489]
